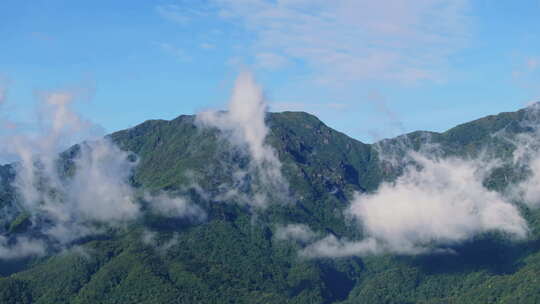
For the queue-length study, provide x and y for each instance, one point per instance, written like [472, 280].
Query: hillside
[234, 252]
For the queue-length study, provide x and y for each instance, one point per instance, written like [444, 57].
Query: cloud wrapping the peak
[245, 118]
[244, 126]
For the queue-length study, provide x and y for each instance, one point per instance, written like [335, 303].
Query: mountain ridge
[234, 255]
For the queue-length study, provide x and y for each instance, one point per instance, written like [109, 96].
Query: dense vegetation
[234, 257]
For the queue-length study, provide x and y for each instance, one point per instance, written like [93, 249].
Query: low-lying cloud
[151, 238]
[526, 155]
[333, 247]
[3, 90]
[530, 188]
[165, 204]
[443, 203]
[295, 232]
[21, 247]
[435, 204]
[98, 189]
[245, 119]
[81, 192]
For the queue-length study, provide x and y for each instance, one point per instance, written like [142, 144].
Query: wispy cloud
[152, 238]
[21, 247]
[270, 61]
[174, 206]
[43, 36]
[526, 75]
[343, 40]
[295, 232]
[4, 84]
[181, 14]
[175, 51]
[533, 63]
[99, 188]
[398, 40]
[246, 118]
[317, 109]
[391, 124]
[244, 125]
[78, 194]
[207, 46]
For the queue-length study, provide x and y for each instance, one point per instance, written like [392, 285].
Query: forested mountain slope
[233, 251]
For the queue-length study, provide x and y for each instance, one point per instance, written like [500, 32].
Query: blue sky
[371, 69]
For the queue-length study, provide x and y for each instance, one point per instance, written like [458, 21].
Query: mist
[295, 232]
[243, 125]
[438, 202]
[77, 193]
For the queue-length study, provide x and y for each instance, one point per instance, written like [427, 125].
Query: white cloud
[3, 90]
[527, 155]
[318, 109]
[295, 232]
[332, 247]
[102, 171]
[391, 124]
[244, 126]
[177, 13]
[530, 188]
[174, 51]
[341, 40]
[526, 75]
[99, 191]
[245, 118]
[150, 238]
[58, 127]
[270, 61]
[533, 63]
[165, 204]
[95, 192]
[22, 247]
[442, 204]
[207, 46]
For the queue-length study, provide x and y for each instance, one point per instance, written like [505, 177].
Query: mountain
[234, 253]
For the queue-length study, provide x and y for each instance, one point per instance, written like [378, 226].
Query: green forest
[233, 253]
